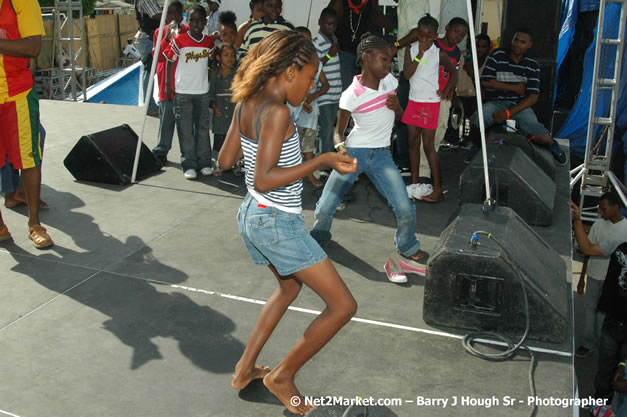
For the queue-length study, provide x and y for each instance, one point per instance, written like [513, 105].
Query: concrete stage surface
[146, 301]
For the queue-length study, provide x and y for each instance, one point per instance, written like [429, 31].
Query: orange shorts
[19, 135]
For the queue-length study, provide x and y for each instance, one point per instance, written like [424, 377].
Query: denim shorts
[278, 238]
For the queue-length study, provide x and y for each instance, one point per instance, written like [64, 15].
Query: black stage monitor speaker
[515, 182]
[107, 156]
[478, 287]
[541, 155]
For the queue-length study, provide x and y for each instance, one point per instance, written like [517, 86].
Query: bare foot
[287, 393]
[20, 198]
[242, 378]
[434, 197]
[314, 181]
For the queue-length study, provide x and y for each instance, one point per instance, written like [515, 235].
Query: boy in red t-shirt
[191, 52]
[174, 18]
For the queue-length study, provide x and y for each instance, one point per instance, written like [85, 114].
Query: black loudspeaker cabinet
[478, 287]
[541, 155]
[108, 156]
[515, 181]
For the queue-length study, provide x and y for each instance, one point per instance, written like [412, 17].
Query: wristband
[621, 363]
[422, 61]
[508, 114]
[394, 31]
[329, 57]
[340, 145]
[396, 44]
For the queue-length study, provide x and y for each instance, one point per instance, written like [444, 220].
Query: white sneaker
[206, 171]
[410, 190]
[190, 174]
[417, 191]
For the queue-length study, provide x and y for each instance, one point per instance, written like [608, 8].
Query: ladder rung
[603, 121]
[606, 81]
[610, 41]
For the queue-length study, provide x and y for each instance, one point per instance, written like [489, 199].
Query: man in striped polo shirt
[272, 20]
[512, 83]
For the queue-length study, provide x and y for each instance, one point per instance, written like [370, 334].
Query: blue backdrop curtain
[576, 125]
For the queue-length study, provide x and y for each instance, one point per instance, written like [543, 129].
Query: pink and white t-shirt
[192, 71]
[373, 120]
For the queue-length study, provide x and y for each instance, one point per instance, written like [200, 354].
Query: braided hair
[369, 43]
[269, 58]
[429, 21]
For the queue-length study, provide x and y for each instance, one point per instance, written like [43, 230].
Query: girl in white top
[421, 68]
[372, 103]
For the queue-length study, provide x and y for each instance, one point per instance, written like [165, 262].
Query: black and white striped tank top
[287, 197]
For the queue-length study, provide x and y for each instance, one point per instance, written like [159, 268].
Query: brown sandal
[40, 237]
[4, 233]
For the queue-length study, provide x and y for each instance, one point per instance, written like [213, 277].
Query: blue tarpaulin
[570, 9]
[575, 127]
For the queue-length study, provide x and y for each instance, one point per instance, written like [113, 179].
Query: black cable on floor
[512, 347]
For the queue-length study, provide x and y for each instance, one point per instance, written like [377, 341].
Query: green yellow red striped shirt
[18, 19]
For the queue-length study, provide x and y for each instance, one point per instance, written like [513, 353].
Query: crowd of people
[286, 105]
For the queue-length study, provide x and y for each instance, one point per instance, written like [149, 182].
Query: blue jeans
[10, 178]
[348, 68]
[166, 128]
[191, 112]
[380, 168]
[526, 120]
[326, 121]
[144, 47]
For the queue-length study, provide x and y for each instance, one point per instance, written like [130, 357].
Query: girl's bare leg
[246, 370]
[428, 138]
[414, 152]
[340, 307]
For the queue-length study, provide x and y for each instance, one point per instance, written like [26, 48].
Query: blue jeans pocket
[262, 230]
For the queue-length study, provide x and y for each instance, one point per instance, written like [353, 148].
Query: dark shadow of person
[138, 311]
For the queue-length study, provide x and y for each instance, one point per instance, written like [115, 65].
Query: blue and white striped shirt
[286, 198]
[331, 69]
[499, 66]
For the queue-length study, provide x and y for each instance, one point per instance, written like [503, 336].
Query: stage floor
[145, 303]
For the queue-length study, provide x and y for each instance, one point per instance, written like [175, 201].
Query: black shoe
[558, 154]
[582, 352]
[162, 159]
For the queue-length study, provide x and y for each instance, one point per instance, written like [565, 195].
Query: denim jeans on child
[166, 128]
[144, 47]
[327, 114]
[526, 120]
[191, 112]
[378, 165]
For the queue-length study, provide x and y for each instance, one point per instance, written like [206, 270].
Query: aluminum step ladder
[595, 172]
